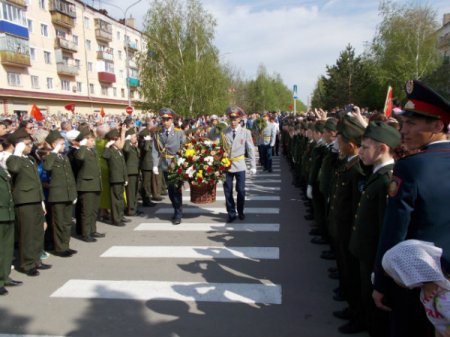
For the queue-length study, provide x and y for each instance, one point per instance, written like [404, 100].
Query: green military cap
[319, 126]
[130, 131]
[84, 133]
[18, 136]
[52, 136]
[113, 134]
[383, 133]
[352, 129]
[331, 124]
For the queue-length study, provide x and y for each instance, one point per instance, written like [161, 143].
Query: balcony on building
[132, 46]
[20, 3]
[105, 54]
[133, 82]
[66, 45]
[103, 30]
[67, 69]
[106, 77]
[14, 52]
[63, 13]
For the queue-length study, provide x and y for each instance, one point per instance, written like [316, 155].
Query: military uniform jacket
[6, 198]
[269, 134]
[307, 158]
[89, 177]
[131, 158]
[330, 163]
[418, 203]
[370, 214]
[241, 144]
[62, 182]
[165, 146]
[116, 163]
[317, 155]
[27, 187]
[145, 149]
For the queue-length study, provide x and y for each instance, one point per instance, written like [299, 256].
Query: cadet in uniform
[167, 142]
[28, 198]
[89, 185]
[62, 193]
[417, 207]
[131, 152]
[268, 138]
[151, 183]
[237, 141]
[117, 174]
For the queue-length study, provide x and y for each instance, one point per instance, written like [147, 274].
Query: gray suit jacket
[165, 147]
[242, 143]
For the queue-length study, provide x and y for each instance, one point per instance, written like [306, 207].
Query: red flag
[70, 107]
[102, 112]
[291, 107]
[388, 103]
[36, 113]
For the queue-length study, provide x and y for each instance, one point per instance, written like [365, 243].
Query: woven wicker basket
[203, 194]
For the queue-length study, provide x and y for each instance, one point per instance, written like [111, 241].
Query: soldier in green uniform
[62, 193]
[6, 232]
[29, 207]
[376, 150]
[88, 185]
[151, 183]
[131, 152]
[117, 174]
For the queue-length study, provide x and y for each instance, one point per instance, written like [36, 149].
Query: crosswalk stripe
[254, 187]
[175, 291]
[203, 252]
[219, 210]
[265, 181]
[209, 227]
[248, 198]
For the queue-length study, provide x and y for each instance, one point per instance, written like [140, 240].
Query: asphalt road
[256, 278]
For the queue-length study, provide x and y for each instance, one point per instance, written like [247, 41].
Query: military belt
[238, 158]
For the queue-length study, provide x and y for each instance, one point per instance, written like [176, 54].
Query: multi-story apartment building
[444, 36]
[56, 52]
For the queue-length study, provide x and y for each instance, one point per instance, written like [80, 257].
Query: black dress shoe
[32, 272]
[149, 204]
[126, 220]
[139, 213]
[334, 276]
[231, 218]
[318, 240]
[241, 216]
[315, 231]
[98, 235]
[72, 251]
[309, 217]
[44, 266]
[88, 239]
[13, 283]
[65, 253]
[158, 199]
[3, 291]
[339, 298]
[352, 327]
[343, 314]
[176, 221]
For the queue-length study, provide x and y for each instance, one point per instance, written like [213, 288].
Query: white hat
[214, 117]
[72, 134]
[413, 262]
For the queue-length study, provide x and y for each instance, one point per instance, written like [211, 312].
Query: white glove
[253, 171]
[155, 170]
[309, 193]
[147, 138]
[128, 137]
[43, 208]
[125, 183]
[18, 150]
[83, 142]
[111, 142]
[75, 201]
[57, 148]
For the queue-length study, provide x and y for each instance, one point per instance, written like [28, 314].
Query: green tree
[181, 67]
[439, 79]
[318, 99]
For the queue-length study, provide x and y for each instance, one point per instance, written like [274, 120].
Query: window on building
[42, 4]
[30, 25]
[119, 54]
[32, 54]
[44, 30]
[13, 14]
[77, 63]
[121, 73]
[88, 44]
[60, 33]
[35, 82]
[86, 22]
[79, 87]
[122, 92]
[90, 66]
[118, 35]
[65, 85]
[115, 92]
[104, 90]
[47, 57]
[109, 67]
[91, 88]
[13, 79]
[49, 83]
[75, 39]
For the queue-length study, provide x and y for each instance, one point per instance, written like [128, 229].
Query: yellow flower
[189, 153]
[199, 174]
[226, 162]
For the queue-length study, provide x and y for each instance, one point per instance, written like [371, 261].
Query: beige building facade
[57, 53]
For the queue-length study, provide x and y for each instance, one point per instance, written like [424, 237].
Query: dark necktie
[234, 134]
[167, 133]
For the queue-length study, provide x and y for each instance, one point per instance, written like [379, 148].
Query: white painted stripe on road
[219, 210]
[266, 175]
[209, 227]
[197, 252]
[13, 335]
[171, 291]
[255, 180]
[248, 198]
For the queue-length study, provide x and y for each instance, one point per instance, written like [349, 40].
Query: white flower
[209, 160]
[180, 161]
[207, 142]
[190, 171]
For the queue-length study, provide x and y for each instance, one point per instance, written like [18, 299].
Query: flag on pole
[36, 113]
[102, 112]
[388, 103]
[70, 107]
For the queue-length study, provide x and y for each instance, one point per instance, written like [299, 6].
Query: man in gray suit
[268, 138]
[237, 141]
[166, 143]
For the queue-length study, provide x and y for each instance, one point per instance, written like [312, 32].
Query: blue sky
[296, 39]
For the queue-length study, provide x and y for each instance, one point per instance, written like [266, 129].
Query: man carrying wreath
[237, 141]
[167, 142]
